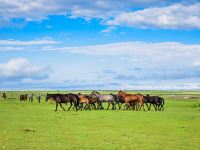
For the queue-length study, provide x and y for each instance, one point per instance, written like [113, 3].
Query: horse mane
[95, 92]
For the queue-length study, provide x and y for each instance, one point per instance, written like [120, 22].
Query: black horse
[74, 100]
[23, 97]
[118, 100]
[156, 101]
[63, 98]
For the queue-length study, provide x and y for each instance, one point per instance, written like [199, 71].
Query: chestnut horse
[84, 100]
[132, 98]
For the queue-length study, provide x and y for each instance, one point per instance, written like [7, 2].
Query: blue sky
[101, 44]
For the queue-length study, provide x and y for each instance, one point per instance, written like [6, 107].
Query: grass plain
[34, 126]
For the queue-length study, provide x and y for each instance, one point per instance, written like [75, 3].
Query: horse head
[95, 94]
[47, 97]
[121, 93]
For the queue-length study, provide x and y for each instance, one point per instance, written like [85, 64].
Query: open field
[25, 125]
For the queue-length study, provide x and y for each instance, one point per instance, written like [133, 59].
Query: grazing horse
[38, 96]
[23, 97]
[84, 100]
[156, 101]
[104, 98]
[62, 98]
[132, 98]
[30, 97]
[4, 96]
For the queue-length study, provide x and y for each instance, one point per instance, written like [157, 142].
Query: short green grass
[33, 126]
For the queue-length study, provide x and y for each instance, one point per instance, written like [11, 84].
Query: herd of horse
[95, 101]
[29, 97]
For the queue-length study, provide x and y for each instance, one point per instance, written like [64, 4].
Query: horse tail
[77, 100]
[162, 103]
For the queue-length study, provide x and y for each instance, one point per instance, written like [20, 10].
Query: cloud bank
[179, 14]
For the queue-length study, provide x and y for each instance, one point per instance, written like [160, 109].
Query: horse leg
[149, 107]
[113, 105]
[162, 105]
[94, 106]
[70, 106]
[108, 105]
[143, 106]
[119, 105]
[89, 107]
[85, 107]
[130, 107]
[125, 106]
[134, 105]
[56, 106]
[81, 106]
[102, 105]
[62, 106]
[137, 106]
[155, 106]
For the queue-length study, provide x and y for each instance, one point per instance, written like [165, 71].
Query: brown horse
[92, 101]
[132, 98]
[84, 100]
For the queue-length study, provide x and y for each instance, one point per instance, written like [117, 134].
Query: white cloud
[177, 16]
[19, 68]
[38, 9]
[108, 29]
[28, 43]
[16, 45]
[196, 63]
[134, 49]
[129, 65]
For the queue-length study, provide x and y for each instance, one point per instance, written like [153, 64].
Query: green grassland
[33, 126]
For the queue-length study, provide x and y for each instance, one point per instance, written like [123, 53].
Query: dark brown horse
[23, 97]
[132, 98]
[92, 101]
[4, 96]
[156, 101]
[63, 98]
[118, 100]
